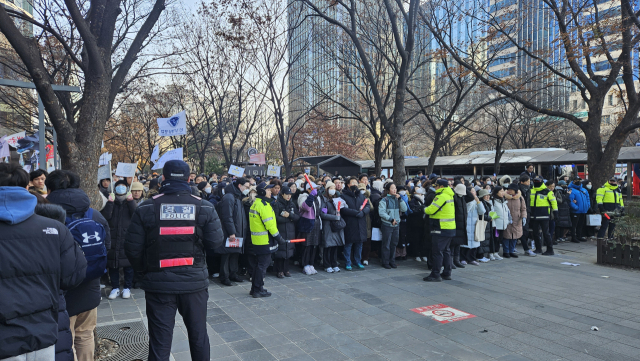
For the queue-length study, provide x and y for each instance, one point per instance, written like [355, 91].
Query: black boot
[456, 262]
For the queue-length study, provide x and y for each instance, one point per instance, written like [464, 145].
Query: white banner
[155, 155]
[104, 172]
[175, 154]
[236, 171]
[273, 170]
[126, 169]
[175, 125]
[105, 158]
[4, 147]
[13, 139]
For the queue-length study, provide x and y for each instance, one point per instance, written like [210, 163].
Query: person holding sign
[265, 238]
[234, 226]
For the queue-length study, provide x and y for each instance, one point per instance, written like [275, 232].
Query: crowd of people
[170, 233]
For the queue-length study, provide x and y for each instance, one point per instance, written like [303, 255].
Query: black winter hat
[202, 185]
[514, 187]
[443, 182]
[176, 170]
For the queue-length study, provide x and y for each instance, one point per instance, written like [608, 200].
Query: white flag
[105, 158]
[126, 169]
[175, 125]
[175, 154]
[155, 154]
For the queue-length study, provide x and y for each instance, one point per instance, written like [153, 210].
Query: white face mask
[403, 193]
[332, 191]
[121, 189]
[488, 182]
[207, 190]
[420, 191]
[410, 184]
[588, 186]
[361, 192]
[420, 197]
[246, 191]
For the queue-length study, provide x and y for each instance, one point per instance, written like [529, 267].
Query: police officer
[166, 241]
[442, 218]
[542, 202]
[264, 238]
[610, 203]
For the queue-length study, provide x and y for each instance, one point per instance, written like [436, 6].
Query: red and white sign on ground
[443, 313]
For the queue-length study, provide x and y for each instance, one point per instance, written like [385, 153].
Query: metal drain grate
[132, 338]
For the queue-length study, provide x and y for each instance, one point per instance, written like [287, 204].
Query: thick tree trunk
[377, 156]
[602, 163]
[397, 142]
[433, 156]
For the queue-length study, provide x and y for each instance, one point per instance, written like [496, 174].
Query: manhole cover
[132, 338]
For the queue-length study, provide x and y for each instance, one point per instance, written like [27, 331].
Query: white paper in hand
[126, 169]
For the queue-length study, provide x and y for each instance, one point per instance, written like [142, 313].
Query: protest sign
[155, 155]
[126, 169]
[105, 158]
[273, 170]
[236, 171]
[104, 172]
[258, 158]
[175, 154]
[175, 125]
[13, 139]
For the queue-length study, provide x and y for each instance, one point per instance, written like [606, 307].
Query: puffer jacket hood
[445, 190]
[16, 204]
[610, 187]
[52, 211]
[73, 200]
[231, 188]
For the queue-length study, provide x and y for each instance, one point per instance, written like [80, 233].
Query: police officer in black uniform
[166, 242]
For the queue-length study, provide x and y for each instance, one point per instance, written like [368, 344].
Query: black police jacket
[172, 280]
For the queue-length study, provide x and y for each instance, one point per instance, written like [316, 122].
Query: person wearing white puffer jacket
[500, 222]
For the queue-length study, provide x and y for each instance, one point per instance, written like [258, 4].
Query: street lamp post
[42, 156]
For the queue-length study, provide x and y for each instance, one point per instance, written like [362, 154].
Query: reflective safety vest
[542, 202]
[442, 213]
[262, 222]
[176, 240]
[608, 198]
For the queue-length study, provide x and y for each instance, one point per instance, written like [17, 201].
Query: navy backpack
[90, 235]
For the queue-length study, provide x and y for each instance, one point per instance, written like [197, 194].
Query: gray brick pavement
[525, 308]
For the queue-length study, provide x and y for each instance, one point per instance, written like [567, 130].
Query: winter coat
[329, 237]
[38, 258]
[389, 209]
[474, 210]
[232, 218]
[356, 230]
[86, 296]
[488, 232]
[118, 213]
[64, 344]
[374, 198]
[564, 209]
[518, 211]
[504, 216]
[525, 192]
[461, 238]
[310, 228]
[416, 220]
[286, 226]
[173, 280]
[579, 199]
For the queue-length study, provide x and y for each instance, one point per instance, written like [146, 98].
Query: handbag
[481, 226]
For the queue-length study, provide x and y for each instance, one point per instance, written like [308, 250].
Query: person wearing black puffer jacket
[165, 241]
[64, 345]
[461, 237]
[355, 233]
[234, 225]
[82, 301]
[287, 216]
[38, 259]
[118, 212]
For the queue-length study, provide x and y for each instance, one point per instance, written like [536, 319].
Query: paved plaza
[525, 309]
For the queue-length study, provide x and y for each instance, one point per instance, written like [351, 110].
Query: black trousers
[440, 255]
[161, 313]
[229, 266]
[606, 225]
[213, 262]
[525, 236]
[577, 225]
[541, 225]
[330, 257]
[259, 264]
[308, 256]
[494, 245]
[281, 265]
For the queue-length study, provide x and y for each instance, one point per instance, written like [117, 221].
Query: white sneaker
[425, 259]
[306, 270]
[114, 293]
[464, 263]
[102, 286]
[329, 270]
[418, 259]
[313, 270]
[366, 263]
[491, 257]
[215, 275]
[497, 257]
[126, 293]
[484, 260]
[530, 253]
[337, 269]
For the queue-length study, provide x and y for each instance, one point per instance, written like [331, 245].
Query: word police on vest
[169, 212]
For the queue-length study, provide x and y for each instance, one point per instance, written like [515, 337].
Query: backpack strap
[89, 213]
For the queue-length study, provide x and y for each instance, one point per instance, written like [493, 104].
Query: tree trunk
[602, 163]
[433, 156]
[377, 156]
[399, 173]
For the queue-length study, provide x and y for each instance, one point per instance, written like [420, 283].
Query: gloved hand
[524, 222]
[287, 240]
[555, 214]
[112, 197]
[622, 211]
[314, 192]
[360, 214]
[324, 210]
[129, 196]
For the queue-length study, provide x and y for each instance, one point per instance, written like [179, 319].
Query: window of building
[611, 99]
[606, 119]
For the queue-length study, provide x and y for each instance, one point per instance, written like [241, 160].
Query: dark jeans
[308, 256]
[390, 237]
[606, 223]
[352, 251]
[229, 266]
[161, 315]
[114, 275]
[468, 254]
[259, 264]
[525, 236]
[536, 227]
[418, 246]
[494, 244]
[366, 249]
[440, 255]
[330, 257]
[213, 262]
[281, 265]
